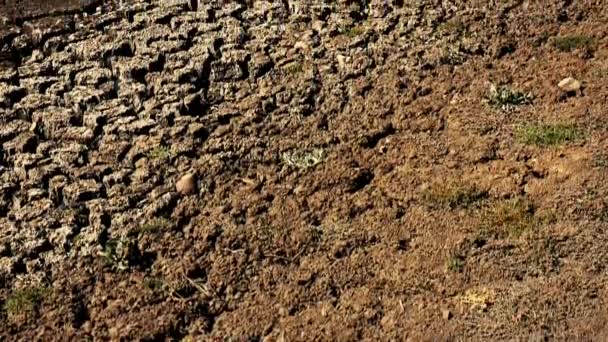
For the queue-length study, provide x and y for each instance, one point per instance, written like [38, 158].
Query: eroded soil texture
[283, 171]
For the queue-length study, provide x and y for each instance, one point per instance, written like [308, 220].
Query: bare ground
[403, 171]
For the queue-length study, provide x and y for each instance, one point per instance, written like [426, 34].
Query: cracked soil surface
[352, 174]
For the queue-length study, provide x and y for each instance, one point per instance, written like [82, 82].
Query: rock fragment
[569, 85]
[186, 185]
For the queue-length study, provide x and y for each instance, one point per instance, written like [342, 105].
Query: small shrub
[303, 160]
[353, 31]
[120, 254]
[506, 98]
[547, 135]
[160, 153]
[295, 68]
[455, 264]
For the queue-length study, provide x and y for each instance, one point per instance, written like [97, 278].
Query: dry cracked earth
[281, 171]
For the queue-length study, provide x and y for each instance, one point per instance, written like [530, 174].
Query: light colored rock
[318, 25]
[341, 61]
[7, 266]
[569, 84]
[300, 45]
[36, 56]
[186, 185]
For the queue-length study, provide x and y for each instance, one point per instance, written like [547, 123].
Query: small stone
[300, 189]
[7, 266]
[301, 46]
[447, 314]
[36, 56]
[318, 25]
[86, 327]
[186, 185]
[341, 61]
[569, 84]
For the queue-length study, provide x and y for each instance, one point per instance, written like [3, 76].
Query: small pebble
[186, 185]
[341, 61]
[447, 314]
[569, 84]
[302, 46]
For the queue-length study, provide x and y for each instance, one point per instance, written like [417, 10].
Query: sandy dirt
[277, 171]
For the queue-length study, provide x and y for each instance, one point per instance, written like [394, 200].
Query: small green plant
[511, 218]
[454, 195]
[507, 99]
[160, 153]
[119, 254]
[574, 42]
[455, 264]
[26, 300]
[303, 160]
[547, 135]
[295, 68]
[154, 226]
[353, 31]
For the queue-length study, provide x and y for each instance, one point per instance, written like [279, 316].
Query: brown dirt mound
[375, 170]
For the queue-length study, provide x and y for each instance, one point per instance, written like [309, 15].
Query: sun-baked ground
[400, 170]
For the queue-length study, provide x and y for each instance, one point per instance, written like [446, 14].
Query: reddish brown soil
[354, 180]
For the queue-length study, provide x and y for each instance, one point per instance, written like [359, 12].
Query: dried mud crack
[289, 171]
